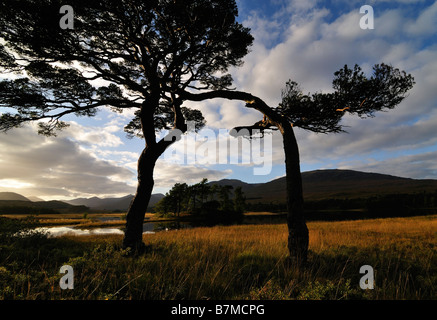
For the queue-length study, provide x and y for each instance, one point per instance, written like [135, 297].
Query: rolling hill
[40, 207]
[338, 184]
[317, 185]
[12, 196]
[14, 203]
[111, 204]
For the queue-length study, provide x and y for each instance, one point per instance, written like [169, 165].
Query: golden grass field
[242, 262]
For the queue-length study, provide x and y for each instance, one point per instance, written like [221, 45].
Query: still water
[148, 227]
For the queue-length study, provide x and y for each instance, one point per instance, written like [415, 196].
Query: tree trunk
[133, 236]
[298, 232]
[298, 238]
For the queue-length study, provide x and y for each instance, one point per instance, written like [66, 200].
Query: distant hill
[334, 183]
[235, 183]
[317, 185]
[41, 207]
[12, 196]
[35, 199]
[112, 204]
[322, 184]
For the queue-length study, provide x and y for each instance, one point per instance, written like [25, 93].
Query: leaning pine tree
[353, 92]
[120, 54]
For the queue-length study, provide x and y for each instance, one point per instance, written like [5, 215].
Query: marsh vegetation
[226, 262]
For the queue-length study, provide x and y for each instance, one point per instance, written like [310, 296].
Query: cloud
[369, 136]
[310, 47]
[305, 41]
[420, 166]
[80, 162]
[426, 23]
[167, 174]
[57, 167]
[102, 136]
[318, 43]
[209, 147]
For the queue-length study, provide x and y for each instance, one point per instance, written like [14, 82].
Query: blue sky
[306, 41]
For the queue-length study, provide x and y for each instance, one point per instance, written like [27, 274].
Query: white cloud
[57, 167]
[167, 174]
[426, 23]
[94, 136]
[313, 49]
[301, 5]
[304, 42]
[421, 166]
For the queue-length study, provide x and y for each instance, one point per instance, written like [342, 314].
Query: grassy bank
[232, 262]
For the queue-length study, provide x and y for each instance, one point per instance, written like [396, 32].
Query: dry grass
[382, 233]
[245, 262]
[271, 239]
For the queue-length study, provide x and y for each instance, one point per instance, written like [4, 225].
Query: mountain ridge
[12, 196]
[112, 204]
[342, 184]
[317, 185]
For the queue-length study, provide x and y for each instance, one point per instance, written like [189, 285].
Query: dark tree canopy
[120, 54]
[140, 49]
[353, 92]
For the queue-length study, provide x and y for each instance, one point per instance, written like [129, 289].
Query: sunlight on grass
[231, 262]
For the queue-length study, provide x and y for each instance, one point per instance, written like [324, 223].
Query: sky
[302, 40]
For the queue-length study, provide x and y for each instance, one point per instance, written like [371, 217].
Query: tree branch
[251, 101]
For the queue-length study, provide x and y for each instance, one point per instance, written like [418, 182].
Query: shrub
[327, 290]
[270, 291]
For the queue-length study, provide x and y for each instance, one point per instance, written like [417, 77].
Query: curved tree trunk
[298, 238]
[133, 236]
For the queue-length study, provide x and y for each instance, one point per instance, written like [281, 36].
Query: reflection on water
[62, 231]
[53, 232]
[175, 225]
[165, 226]
[153, 227]
[148, 227]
